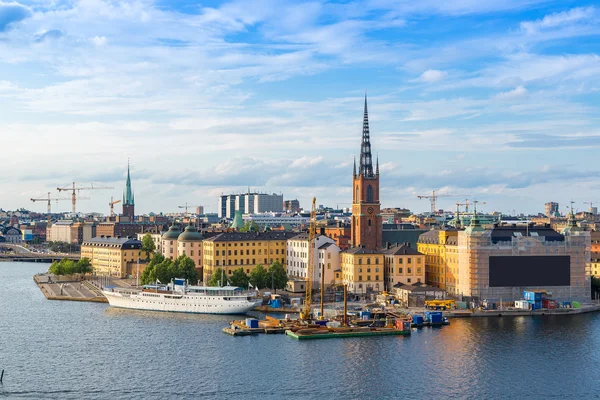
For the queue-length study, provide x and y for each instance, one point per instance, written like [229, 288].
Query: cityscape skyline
[210, 100]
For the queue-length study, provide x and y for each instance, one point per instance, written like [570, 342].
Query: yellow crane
[312, 234]
[75, 188]
[433, 199]
[112, 206]
[49, 200]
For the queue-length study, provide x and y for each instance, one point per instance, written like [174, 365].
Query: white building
[326, 258]
[249, 203]
[156, 238]
[276, 219]
[12, 235]
[61, 231]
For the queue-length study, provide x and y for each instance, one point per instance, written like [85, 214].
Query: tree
[149, 275]
[250, 226]
[259, 277]
[278, 276]
[63, 267]
[84, 266]
[239, 278]
[185, 268]
[218, 277]
[148, 245]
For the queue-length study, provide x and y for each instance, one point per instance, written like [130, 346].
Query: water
[71, 350]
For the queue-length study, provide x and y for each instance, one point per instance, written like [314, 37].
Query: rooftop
[249, 236]
[400, 250]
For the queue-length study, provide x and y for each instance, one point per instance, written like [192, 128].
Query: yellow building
[440, 247]
[232, 250]
[403, 265]
[361, 269]
[113, 256]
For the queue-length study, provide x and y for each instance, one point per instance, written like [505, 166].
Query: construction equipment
[440, 304]
[306, 313]
[186, 207]
[74, 188]
[112, 206]
[433, 199]
[49, 200]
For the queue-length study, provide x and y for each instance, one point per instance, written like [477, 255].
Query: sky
[489, 100]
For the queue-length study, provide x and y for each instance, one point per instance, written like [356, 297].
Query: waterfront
[53, 349]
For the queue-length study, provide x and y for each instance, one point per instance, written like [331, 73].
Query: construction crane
[433, 199]
[74, 188]
[49, 200]
[312, 234]
[591, 203]
[112, 206]
[186, 207]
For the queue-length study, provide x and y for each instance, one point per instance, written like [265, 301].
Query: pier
[73, 290]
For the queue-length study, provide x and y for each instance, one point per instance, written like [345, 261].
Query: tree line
[70, 267]
[275, 277]
[163, 269]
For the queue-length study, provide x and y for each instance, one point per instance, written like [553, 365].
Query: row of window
[235, 262]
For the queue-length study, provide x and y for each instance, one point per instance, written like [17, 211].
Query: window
[409, 260]
[368, 261]
[229, 252]
[192, 253]
[369, 194]
[360, 277]
[360, 261]
[328, 265]
[369, 222]
[408, 280]
[376, 277]
[377, 261]
[368, 277]
[356, 197]
[399, 261]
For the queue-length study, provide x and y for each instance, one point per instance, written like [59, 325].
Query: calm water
[53, 349]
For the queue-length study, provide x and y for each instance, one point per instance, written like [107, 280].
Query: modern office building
[249, 203]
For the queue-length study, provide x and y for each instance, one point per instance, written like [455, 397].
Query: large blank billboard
[539, 271]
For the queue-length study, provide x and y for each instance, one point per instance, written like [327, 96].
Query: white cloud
[99, 40]
[558, 19]
[432, 75]
[516, 93]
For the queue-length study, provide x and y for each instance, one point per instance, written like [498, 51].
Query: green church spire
[128, 199]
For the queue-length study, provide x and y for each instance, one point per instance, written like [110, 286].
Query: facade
[232, 250]
[168, 246]
[291, 206]
[595, 253]
[276, 219]
[66, 231]
[249, 203]
[189, 244]
[403, 265]
[12, 235]
[441, 258]
[366, 214]
[125, 229]
[128, 198]
[326, 258]
[362, 270]
[156, 238]
[113, 256]
[340, 232]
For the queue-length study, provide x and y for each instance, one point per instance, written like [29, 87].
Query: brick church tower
[366, 215]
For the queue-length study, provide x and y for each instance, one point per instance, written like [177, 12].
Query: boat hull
[182, 304]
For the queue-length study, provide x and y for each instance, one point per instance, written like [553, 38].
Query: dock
[82, 290]
[309, 334]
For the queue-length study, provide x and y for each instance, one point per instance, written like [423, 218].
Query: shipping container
[434, 317]
[549, 304]
[251, 323]
[418, 320]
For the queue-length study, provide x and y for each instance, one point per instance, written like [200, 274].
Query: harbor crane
[312, 234]
[433, 199]
[112, 206]
[77, 188]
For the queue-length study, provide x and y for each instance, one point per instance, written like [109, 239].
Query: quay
[72, 290]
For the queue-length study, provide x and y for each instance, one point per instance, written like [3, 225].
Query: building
[156, 238]
[112, 256]
[551, 209]
[128, 198]
[416, 295]
[232, 250]
[124, 229]
[249, 203]
[12, 235]
[441, 258]
[340, 232]
[291, 206]
[189, 243]
[595, 253]
[66, 231]
[366, 216]
[168, 242]
[200, 210]
[362, 265]
[326, 258]
[403, 265]
[276, 219]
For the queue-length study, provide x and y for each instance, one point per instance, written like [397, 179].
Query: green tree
[149, 275]
[84, 266]
[259, 277]
[148, 245]
[278, 276]
[217, 277]
[250, 226]
[239, 278]
[185, 268]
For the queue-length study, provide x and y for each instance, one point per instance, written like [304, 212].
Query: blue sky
[495, 100]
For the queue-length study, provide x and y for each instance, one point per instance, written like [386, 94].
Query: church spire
[128, 196]
[354, 171]
[377, 167]
[366, 161]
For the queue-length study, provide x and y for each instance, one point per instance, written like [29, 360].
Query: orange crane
[75, 188]
[312, 234]
[433, 199]
[112, 206]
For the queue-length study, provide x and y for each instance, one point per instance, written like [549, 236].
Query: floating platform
[307, 334]
[238, 332]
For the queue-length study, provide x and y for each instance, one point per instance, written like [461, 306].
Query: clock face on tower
[370, 210]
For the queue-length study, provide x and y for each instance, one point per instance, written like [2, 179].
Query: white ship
[179, 297]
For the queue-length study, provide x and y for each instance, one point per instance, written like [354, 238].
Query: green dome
[190, 235]
[173, 233]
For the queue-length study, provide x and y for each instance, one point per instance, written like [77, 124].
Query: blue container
[321, 322]
[434, 317]
[365, 314]
[417, 320]
[251, 323]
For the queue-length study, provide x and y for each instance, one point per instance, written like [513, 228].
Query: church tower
[366, 215]
[128, 199]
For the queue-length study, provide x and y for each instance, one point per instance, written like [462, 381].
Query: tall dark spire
[366, 161]
[377, 165]
[354, 171]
